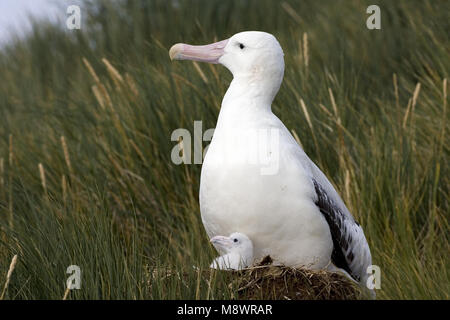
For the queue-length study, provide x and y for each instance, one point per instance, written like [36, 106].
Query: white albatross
[236, 250]
[292, 213]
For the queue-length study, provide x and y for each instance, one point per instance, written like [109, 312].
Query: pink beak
[210, 53]
[222, 242]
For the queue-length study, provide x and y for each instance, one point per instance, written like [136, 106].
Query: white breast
[277, 210]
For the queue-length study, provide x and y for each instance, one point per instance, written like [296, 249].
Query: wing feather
[350, 249]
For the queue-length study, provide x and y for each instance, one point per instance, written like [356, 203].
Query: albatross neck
[246, 94]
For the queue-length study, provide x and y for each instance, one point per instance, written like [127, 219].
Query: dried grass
[266, 281]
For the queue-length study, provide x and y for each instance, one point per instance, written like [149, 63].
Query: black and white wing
[350, 249]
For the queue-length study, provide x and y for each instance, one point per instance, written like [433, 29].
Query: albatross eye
[235, 240]
[241, 46]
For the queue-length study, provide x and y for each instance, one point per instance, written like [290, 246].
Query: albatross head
[237, 250]
[254, 56]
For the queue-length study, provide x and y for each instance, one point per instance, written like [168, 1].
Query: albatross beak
[208, 53]
[221, 242]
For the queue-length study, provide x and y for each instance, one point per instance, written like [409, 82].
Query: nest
[265, 281]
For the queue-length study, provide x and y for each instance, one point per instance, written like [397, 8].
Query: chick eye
[235, 240]
[241, 46]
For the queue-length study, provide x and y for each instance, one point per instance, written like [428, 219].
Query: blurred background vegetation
[86, 118]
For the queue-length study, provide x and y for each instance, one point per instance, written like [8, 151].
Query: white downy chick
[236, 250]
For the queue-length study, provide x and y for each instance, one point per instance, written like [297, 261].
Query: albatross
[237, 252]
[267, 187]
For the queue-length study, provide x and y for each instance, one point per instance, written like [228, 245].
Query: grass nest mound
[266, 281]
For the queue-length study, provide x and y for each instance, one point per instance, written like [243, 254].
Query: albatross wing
[350, 248]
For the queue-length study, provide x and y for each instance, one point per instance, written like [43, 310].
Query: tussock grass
[86, 119]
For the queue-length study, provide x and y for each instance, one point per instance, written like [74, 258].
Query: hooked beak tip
[175, 51]
[213, 240]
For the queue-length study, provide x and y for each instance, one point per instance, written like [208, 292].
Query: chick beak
[222, 243]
